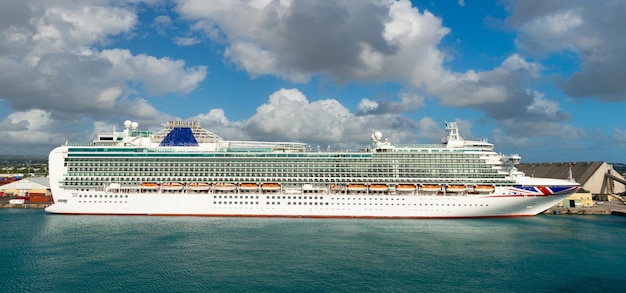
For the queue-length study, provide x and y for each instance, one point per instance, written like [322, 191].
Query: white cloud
[542, 106]
[527, 128]
[367, 105]
[408, 102]
[215, 116]
[67, 25]
[501, 139]
[253, 59]
[108, 97]
[289, 116]
[357, 40]
[186, 41]
[162, 24]
[100, 127]
[216, 121]
[292, 39]
[551, 31]
[158, 75]
[51, 58]
[515, 62]
[28, 128]
[140, 108]
[56, 48]
[163, 20]
[591, 30]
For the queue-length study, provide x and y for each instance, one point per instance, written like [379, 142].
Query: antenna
[571, 177]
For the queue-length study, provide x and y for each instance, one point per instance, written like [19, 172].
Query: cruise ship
[186, 170]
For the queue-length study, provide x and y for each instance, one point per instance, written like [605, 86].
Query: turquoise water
[55, 253]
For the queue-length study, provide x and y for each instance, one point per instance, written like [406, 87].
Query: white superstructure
[187, 170]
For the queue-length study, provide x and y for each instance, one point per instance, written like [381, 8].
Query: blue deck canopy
[179, 136]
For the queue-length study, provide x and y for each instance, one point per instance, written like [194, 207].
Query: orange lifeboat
[429, 188]
[149, 185]
[172, 186]
[379, 187]
[270, 186]
[405, 188]
[199, 186]
[357, 187]
[484, 188]
[456, 188]
[248, 186]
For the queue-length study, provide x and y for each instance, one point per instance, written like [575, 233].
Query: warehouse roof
[28, 184]
[581, 171]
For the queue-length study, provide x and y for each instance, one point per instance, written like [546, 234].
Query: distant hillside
[23, 159]
[619, 167]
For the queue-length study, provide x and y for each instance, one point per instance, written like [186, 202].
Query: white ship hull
[290, 205]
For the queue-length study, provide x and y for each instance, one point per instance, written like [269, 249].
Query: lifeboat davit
[456, 188]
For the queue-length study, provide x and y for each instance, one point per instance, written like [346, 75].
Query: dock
[24, 206]
[600, 208]
[5, 204]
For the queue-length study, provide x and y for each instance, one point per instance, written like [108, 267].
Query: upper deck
[189, 137]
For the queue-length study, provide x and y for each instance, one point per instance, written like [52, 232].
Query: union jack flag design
[542, 190]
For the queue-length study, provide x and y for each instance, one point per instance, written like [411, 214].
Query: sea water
[57, 253]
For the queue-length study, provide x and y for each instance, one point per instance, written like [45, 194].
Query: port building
[27, 186]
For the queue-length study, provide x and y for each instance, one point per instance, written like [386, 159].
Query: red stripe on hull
[295, 217]
[521, 195]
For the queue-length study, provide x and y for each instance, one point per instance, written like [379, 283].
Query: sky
[542, 79]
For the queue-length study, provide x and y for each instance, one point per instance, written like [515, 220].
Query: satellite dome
[378, 135]
[134, 125]
[127, 123]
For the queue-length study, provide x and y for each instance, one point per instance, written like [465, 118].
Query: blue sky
[543, 79]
